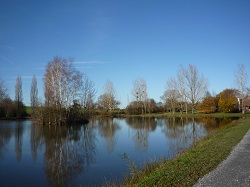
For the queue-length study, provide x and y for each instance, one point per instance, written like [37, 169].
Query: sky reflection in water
[91, 154]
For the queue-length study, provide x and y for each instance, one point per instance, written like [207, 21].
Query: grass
[193, 164]
[28, 110]
[196, 115]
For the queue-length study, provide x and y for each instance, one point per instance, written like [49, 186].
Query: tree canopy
[228, 101]
[67, 94]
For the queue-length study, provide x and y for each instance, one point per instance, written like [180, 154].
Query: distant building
[247, 105]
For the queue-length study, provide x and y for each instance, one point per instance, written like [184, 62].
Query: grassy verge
[28, 110]
[218, 114]
[197, 161]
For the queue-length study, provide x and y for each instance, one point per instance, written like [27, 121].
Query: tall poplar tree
[33, 92]
[241, 79]
[19, 95]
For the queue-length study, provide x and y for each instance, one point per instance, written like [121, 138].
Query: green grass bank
[194, 163]
[189, 115]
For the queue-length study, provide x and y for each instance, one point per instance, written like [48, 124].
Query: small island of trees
[68, 95]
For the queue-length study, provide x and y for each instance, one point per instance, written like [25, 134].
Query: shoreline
[191, 165]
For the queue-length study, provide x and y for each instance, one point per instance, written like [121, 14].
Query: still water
[89, 155]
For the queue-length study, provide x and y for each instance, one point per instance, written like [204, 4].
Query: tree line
[12, 108]
[191, 88]
[69, 95]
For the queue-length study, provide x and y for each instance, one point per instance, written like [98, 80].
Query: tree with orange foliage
[228, 101]
[208, 105]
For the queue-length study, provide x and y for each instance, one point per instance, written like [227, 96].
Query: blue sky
[123, 40]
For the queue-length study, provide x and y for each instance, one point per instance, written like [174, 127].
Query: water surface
[89, 155]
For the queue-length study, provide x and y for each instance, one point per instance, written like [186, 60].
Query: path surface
[234, 171]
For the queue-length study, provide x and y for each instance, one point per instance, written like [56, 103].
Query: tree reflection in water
[215, 123]
[5, 136]
[107, 128]
[181, 133]
[68, 151]
[18, 140]
[142, 126]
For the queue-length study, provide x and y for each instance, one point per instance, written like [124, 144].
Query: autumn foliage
[228, 101]
[208, 105]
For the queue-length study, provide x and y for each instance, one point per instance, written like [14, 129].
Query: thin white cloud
[85, 67]
[91, 62]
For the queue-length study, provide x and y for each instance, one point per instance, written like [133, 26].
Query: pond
[92, 154]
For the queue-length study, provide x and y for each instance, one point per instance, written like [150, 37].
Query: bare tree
[34, 92]
[3, 90]
[62, 83]
[108, 101]
[175, 94]
[195, 85]
[140, 93]
[180, 86]
[241, 80]
[171, 95]
[87, 94]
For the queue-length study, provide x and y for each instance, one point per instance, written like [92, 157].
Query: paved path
[234, 171]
